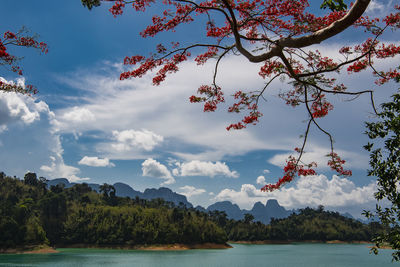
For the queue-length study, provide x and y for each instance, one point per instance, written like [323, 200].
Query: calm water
[309, 255]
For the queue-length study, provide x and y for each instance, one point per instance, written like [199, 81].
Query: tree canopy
[31, 215]
[384, 150]
[279, 35]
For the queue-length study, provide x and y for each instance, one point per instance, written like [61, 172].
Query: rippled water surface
[307, 255]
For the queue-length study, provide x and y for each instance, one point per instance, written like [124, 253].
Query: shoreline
[154, 247]
[285, 242]
[42, 249]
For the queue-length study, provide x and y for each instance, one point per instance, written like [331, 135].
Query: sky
[88, 126]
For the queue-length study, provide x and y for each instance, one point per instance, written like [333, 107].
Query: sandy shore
[29, 250]
[153, 247]
[186, 247]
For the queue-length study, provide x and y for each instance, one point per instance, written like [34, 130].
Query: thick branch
[335, 28]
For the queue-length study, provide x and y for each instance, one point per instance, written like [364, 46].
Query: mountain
[57, 181]
[261, 212]
[200, 208]
[232, 210]
[272, 209]
[124, 190]
[168, 195]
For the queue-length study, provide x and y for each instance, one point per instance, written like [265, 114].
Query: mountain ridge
[262, 213]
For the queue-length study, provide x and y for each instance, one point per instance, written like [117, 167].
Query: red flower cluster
[291, 169]
[116, 9]
[393, 19]
[246, 101]
[271, 67]
[320, 107]
[202, 58]
[336, 164]
[387, 76]
[213, 96]
[10, 38]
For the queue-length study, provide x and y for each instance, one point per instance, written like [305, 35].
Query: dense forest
[33, 214]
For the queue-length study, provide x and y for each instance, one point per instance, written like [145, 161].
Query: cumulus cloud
[130, 139]
[19, 108]
[335, 193]
[204, 168]
[28, 134]
[266, 171]
[378, 8]
[153, 168]
[78, 115]
[96, 162]
[57, 167]
[261, 180]
[190, 191]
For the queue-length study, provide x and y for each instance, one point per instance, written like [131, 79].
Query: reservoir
[298, 254]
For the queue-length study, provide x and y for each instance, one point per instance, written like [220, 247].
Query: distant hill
[124, 190]
[262, 213]
[168, 195]
[232, 210]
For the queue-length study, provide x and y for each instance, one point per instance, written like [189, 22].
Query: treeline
[318, 224]
[33, 214]
[305, 225]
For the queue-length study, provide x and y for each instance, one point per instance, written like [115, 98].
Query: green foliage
[91, 3]
[334, 5]
[30, 179]
[385, 165]
[317, 224]
[30, 216]
[60, 216]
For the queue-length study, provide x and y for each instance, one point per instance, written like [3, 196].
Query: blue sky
[86, 125]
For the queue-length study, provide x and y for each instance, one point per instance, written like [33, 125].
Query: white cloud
[318, 155]
[29, 136]
[3, 128]
[378, 8]
[261, 180]
[153, 168]
[78, 115]
[190, 191]
[96, 162]
[204, 168]
[336, 193]
[266, 171]
[57, 168]
[130, 139]
[19, 108]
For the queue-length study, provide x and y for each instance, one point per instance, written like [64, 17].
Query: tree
[30, 178]
[385, 165]
[22, 38]
[248, 218]
[278, 34]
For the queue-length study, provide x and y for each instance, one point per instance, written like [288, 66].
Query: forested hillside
[32, 214]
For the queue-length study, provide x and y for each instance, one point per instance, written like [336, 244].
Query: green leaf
[334, 5]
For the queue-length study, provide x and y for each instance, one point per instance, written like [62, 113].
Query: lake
[307, 255]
